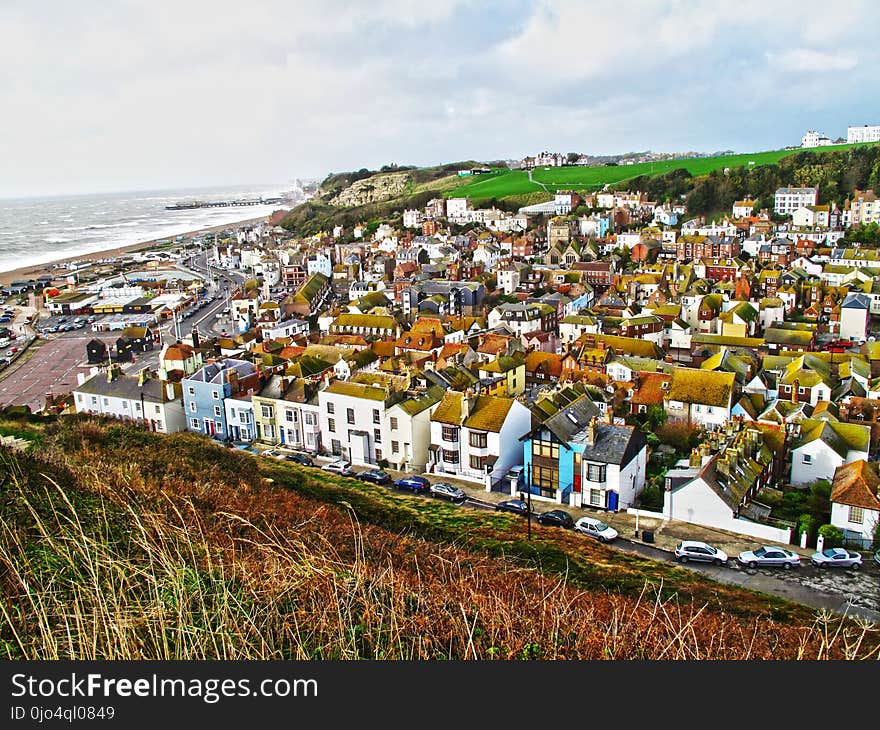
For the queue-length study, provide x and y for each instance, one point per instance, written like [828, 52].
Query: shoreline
[51, 267]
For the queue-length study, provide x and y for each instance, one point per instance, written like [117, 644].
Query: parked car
[303, 459]
[517, 506]
[375, 476]
[697, 551]
[272, 454]
[556, 518]
[836, 558]
[767, 556]
[419, 485]
[595, 528]
[877, 557]
[340, 466]
[447, 491]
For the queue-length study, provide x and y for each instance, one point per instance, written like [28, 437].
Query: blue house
[205, 391]
[572, 457]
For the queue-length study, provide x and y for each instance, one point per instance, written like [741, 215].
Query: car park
[448, 491]
[595, 528]
[699, 552]
[340, 466]
[374, 476]
[556, 518]
[768, 556]
[836, 558]
[516, 506]
[419, 485]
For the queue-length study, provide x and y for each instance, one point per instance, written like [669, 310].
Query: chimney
[195, 338]
[143, 376]
[794, 390]
[695, 458]
[592, 428]
[722, 466]
[733, 458]
[169, 391]
[113, 372]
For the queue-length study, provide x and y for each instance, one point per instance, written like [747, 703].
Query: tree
[572, 157]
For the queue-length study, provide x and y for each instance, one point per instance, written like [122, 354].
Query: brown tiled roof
[548, 362]
[489, 413]
[857, 485]
[650, 390]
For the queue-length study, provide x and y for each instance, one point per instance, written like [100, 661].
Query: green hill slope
[504, 183]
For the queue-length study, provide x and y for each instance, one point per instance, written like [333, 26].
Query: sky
[137, 95]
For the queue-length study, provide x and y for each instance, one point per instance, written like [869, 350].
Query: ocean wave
[57, 239]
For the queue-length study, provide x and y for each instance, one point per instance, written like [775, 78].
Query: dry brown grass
[104, 558]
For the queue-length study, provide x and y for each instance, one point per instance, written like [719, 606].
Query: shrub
[651, 498]
[833, 535]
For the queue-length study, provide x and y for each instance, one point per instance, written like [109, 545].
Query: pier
[223, 203]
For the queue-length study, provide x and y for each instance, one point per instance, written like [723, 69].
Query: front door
[209, 427]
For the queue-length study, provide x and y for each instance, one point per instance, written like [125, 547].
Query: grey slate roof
[613, 445]
[123, 386]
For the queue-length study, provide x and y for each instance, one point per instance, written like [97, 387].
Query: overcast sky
[132, 94]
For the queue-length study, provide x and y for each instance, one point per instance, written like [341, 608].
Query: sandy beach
[51, 267]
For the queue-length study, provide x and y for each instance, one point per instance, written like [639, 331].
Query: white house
[714, 490]
[476, 438]
[286, 328]
[700, 397]
[353, 420]
[787, 200]
[854, 316]
[319, 263]
[240, 418]
[130, 398]
[819, 447]
[855, 500]
[865, 133]
[409, 431]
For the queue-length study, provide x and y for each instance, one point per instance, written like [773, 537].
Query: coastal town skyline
[121, 99]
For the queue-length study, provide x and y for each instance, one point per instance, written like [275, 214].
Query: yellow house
[505, 376]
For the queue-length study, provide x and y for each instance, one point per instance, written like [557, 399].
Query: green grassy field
[505, 183]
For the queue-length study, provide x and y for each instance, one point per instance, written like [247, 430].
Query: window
[545, 448]
[192, 406]
[267, 411]
[289, 416]
[377, 435]
[310, 419]
[450, 433]
[94, 400]
[379, 456]
[801, 391]
[330, 407]
[393, 423]
[596, 472]
[217, 411]
[336, 447]
[331, 424]
[376, 415]
[106, 402]
[215, 395]
[807, 459]
[158, 409]
[545, 477]
[478, 462]
[478, 440]
[596, 497]
[856, 515]
[191, 390]
[450, 457]
[349, 415]
[194, 423]
[395, 447]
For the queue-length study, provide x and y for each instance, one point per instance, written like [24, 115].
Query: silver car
[446, 490]
[768, 556]
[836, 558]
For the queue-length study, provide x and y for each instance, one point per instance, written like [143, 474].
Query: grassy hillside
[504, 183]
[121, 544]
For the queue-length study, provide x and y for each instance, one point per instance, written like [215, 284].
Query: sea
[38, 230]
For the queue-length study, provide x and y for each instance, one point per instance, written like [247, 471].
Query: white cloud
[808, 59]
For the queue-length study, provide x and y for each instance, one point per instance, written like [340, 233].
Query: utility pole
[529, 498]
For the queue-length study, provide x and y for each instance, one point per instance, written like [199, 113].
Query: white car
[836, 558]
[767, 556]
[595, 528]
[688, 550]
[340, 466]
